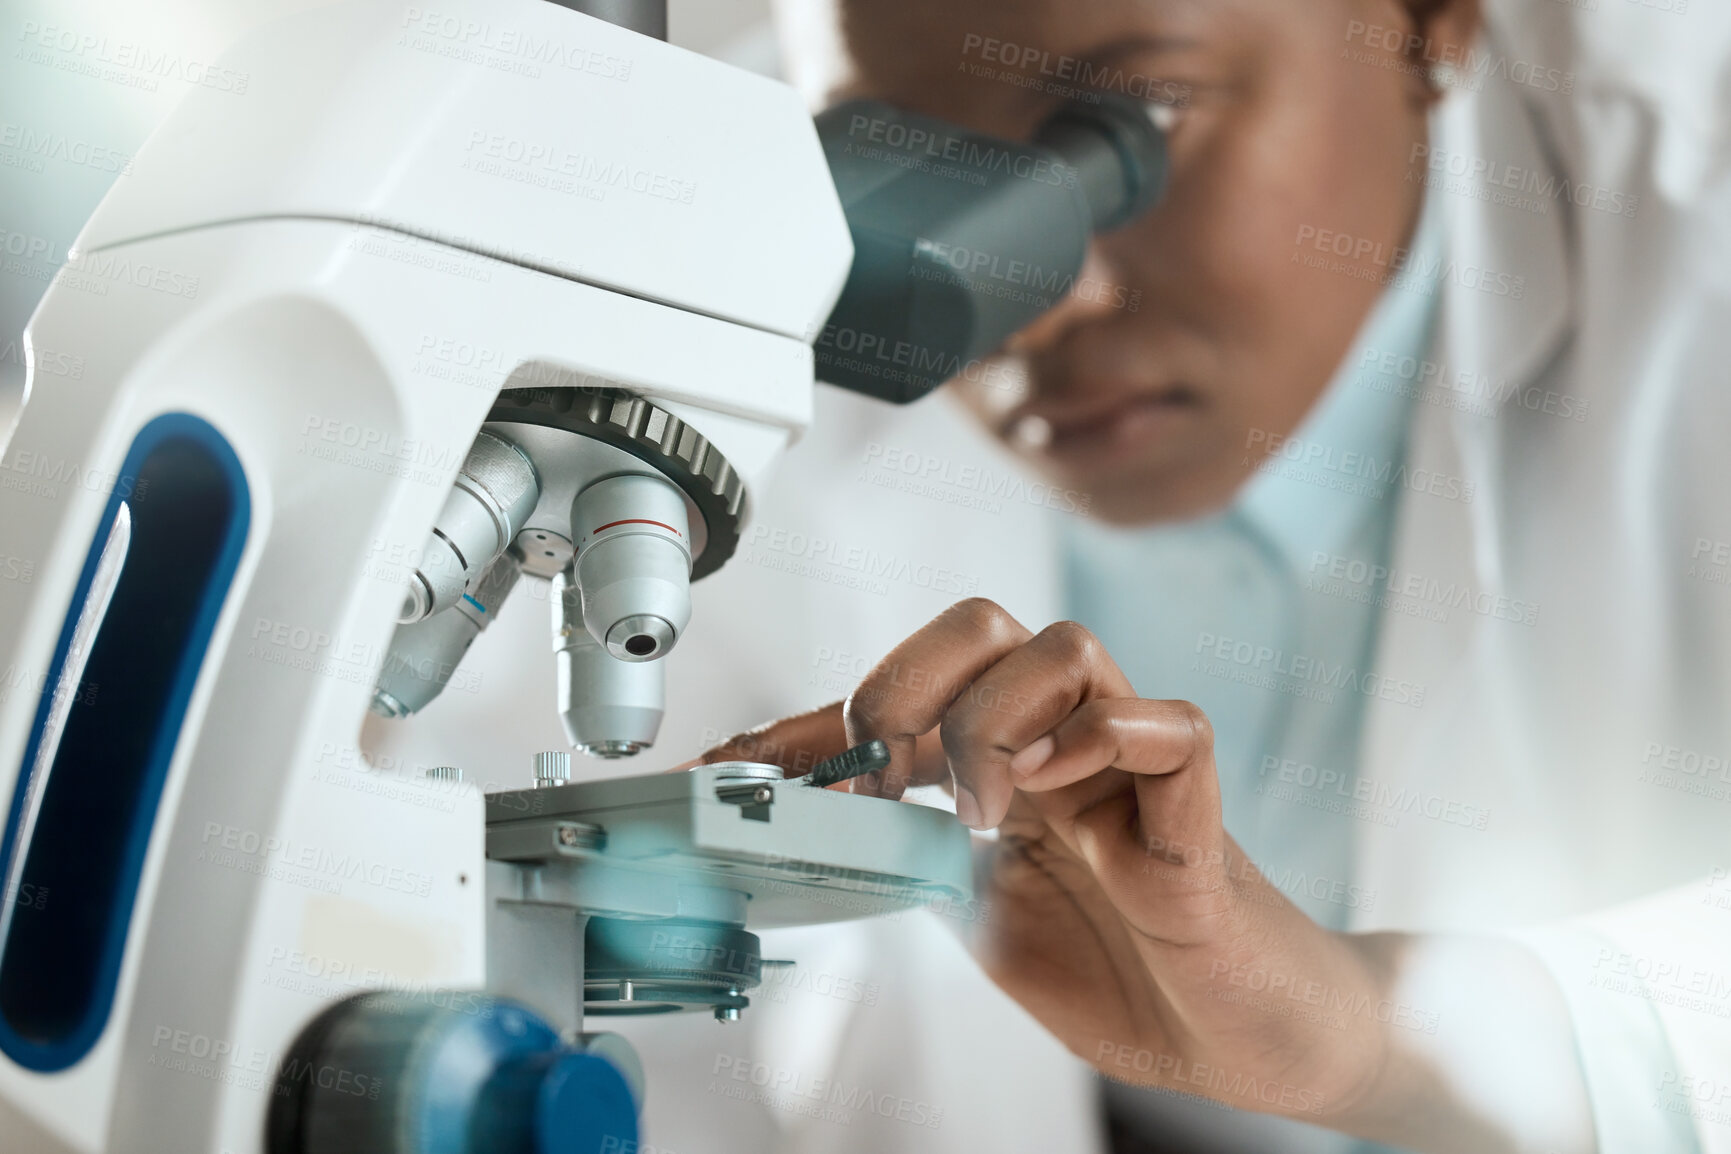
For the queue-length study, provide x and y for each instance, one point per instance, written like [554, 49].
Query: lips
[1107, 427]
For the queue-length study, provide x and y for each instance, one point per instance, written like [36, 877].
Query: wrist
[1479, 1054]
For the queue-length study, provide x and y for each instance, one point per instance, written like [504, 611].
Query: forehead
[1042, 22]
[934, 51]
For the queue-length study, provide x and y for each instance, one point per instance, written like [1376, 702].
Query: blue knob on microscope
[584, 1106]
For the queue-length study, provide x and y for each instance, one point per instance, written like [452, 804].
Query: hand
[1122, 916]
[1125, 919]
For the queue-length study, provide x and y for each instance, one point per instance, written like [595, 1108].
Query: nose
[1093, 296]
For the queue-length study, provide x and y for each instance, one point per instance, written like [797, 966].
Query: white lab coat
[1550, 727]
[1564, 730]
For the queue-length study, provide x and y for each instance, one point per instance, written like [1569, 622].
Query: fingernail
[968, 808]
[1033, 756]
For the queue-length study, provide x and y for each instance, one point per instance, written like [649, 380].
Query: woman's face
[1198, 330]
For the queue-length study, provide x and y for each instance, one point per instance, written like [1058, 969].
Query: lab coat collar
[1507, 291]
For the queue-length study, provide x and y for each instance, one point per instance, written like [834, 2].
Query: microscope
[445, 301]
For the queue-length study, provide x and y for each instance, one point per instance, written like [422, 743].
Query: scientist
[1373, 783]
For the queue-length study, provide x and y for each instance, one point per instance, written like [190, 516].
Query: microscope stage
[730, 843]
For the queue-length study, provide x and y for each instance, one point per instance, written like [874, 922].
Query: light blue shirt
[1266, 617]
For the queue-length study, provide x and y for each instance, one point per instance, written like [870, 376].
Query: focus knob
[444, 1073]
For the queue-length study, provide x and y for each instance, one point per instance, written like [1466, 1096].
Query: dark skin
[1121, 907]
[1150, 411]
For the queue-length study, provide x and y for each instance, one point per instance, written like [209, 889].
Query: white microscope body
[422, 303]
[305, 300]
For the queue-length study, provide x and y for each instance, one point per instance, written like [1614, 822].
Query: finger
[911, 689]
[1127, 733]
[1008, 707]
[1167, 746]
[1131, 786]
[794, 743]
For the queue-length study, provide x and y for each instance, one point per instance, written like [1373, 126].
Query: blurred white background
[64, 134]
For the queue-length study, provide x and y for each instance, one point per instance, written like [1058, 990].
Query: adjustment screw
[552, 768]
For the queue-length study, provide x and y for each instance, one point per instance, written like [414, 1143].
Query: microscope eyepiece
[1118, 152]
[961, 239]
